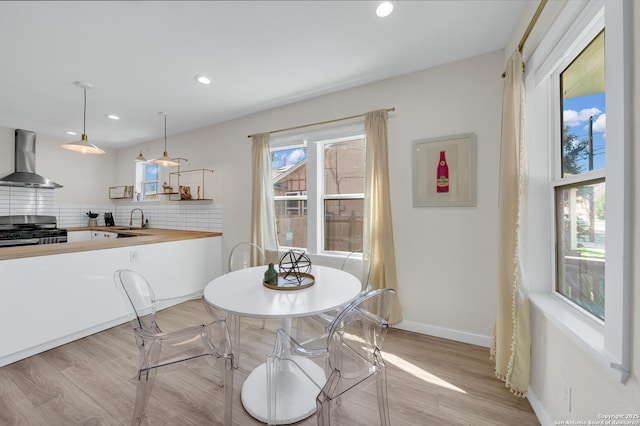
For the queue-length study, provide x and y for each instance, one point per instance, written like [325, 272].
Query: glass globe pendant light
[83, 145]
[165, 160]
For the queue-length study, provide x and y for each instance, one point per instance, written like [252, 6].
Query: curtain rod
[536, 15]
[321, 122]
[532, 23]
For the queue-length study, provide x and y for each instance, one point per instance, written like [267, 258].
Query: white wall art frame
[460, 152]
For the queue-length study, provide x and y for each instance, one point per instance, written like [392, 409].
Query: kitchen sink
[126, 235]
[125, 228]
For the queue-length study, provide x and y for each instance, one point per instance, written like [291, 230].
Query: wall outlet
[565, 394]
[134, 256]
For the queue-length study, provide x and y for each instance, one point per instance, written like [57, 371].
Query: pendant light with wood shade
[165, 160]
[83, 145]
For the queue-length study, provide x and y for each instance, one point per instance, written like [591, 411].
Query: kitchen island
[142, 236]
[56, 293]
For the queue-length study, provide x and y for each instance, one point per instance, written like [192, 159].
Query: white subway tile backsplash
[46, 203]
[185, 215]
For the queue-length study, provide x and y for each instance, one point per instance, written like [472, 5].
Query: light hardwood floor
[91, 381]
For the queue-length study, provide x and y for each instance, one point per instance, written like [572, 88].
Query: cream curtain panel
[378, 250]
[263, 217]
[512, 336]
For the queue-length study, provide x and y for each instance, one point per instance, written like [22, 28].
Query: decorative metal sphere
[294, 262]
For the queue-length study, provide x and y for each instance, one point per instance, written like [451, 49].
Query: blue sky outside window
[150, 179]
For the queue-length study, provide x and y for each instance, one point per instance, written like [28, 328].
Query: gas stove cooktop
[20, 230]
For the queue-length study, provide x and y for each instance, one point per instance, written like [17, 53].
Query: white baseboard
[538, 408]
[446, 333]
[34, 350]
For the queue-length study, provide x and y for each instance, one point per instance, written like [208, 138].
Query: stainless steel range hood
[25, 163]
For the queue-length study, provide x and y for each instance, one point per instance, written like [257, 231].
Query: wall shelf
[120, 192]
[193, 185]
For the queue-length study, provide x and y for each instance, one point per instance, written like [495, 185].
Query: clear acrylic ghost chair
[158, 348]
[243, 255]
[352, 353]
[353, 263]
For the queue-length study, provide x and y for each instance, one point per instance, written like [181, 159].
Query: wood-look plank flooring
[91, 381]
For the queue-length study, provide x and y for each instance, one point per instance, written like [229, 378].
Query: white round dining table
[242, 293]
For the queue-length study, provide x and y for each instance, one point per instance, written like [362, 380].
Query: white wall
[447, 256]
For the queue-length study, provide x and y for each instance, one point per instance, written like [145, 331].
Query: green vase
[271, 276]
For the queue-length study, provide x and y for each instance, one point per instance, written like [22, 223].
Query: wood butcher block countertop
[143, 236]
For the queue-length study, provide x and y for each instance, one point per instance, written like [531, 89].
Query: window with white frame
[343, 162]
[147, 178]
[318, 183]
[573, 90]
[289, 176]
[580, 183]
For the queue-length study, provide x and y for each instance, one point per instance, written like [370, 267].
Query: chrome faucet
[141, 219]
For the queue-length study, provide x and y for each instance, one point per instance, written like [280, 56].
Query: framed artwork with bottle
[444, 171]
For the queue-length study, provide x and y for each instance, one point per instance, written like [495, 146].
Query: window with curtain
[318, 182]
[289, 174]
[580, 188]
[573, 88]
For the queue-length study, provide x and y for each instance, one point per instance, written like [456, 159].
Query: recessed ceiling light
[71, 133]
[113, 117]
[384, 9]
[202, 79]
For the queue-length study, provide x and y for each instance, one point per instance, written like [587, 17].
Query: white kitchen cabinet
[101, 235]
[48, 301]
[77, 236]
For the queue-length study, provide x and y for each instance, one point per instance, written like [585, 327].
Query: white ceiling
[142, 56]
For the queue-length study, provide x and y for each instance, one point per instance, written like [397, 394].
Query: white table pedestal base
[296, 394]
